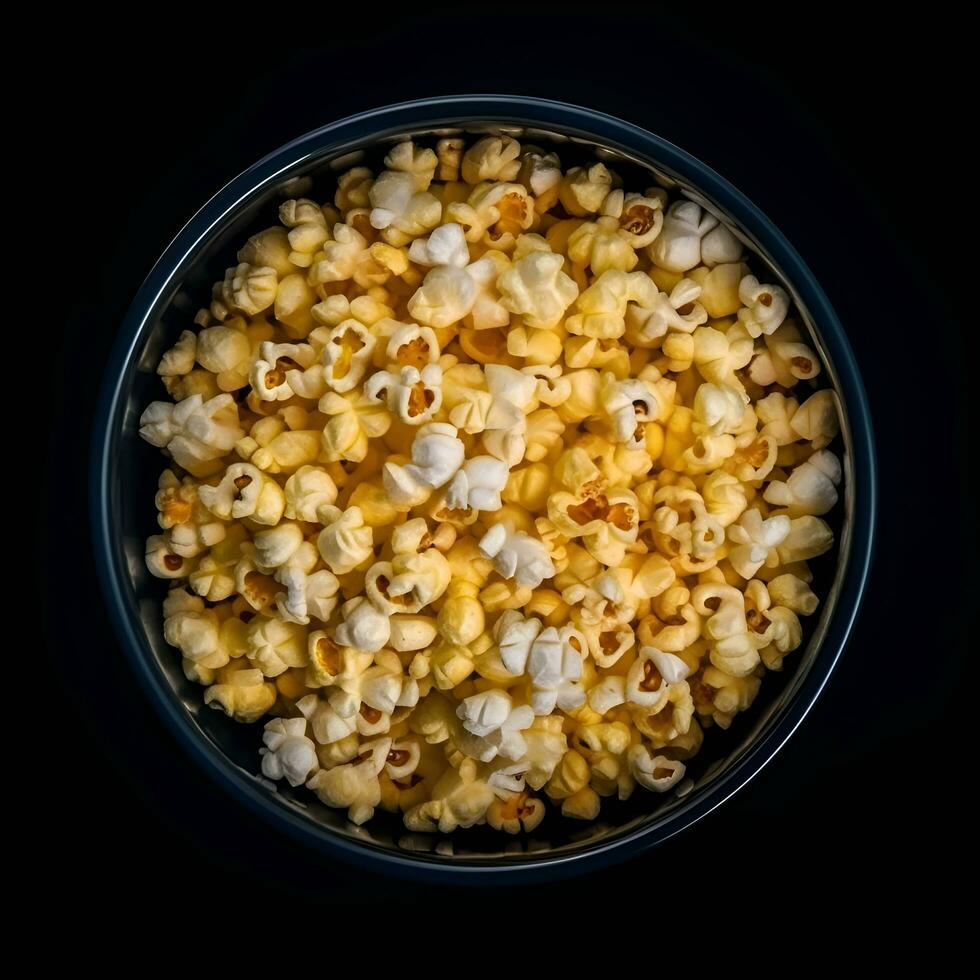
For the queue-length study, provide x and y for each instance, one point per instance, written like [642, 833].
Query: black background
[848, 135]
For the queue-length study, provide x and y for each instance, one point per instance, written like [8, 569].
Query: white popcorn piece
[720, 247]
[412, 395]
[756, 541]
[277, 545]
[811, 488]
[409, 582]
[419, 161]
[785, 360]
[354, 785]
[447, 294]
[678, 246]
[646, 686]
[193, 629]
[399, 209]
[244, 695]
[765, 306]
[487, 312]
[306, 491]
[515, 636]
[412, 345]
[603, 306]
[459, 799]
[288, 753]
[516, 555]
[536, 288]
[609, 693]
[540, 173]
[162, 561]
[364, 627]
[269, 373]
[555, 669]
[306, 595]
[446, 245]
[491, 158]
[386, 686]
[654, 772]
[307, 229]
[816, 420]
[326, 724]
[478, 484]
[679, 311]
[412, 632]
[195, 432]
[274, 645]
[583, 190]
[245, 491]
[628, 404]
[497, 724]
[345, 543]
[347, 354]
[245, 289]
[179, 359]
[437, 454]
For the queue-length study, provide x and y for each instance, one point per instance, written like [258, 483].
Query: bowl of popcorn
[482, 484]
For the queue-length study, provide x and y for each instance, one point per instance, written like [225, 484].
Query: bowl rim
[447, 111]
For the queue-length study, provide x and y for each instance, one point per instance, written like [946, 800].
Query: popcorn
[446, 245]
[599, 245]
[307, 230]
[603, 305]
[306, 491]
[437, 455]
[245, 289]
[756, 540]
[584, 189]
[497, 724]
[536, 289]
[679, 311]
[241, 694]
[459, 799]
[678, 246]
[345, 543]
[450, 155]
[555, 669]
[364, 626]
[275, 645]
[346, 355]
[269, 374]
[414, 396]
[811, 488]
[353, 419]
[816, 419]
[628, 404]
[478, 484]
[195, 432]
[489, 486]
[245, 491]
[408, 582]
[765, 306]
[491, 158]
[655, 772]
[517, 555]
[355, 785]
[288, 753]
[399, 210]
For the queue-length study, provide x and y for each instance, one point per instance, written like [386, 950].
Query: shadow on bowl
[125, 471]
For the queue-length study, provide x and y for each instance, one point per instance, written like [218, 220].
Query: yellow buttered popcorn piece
[493, 486]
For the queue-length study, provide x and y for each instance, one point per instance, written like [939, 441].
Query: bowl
[125, 470]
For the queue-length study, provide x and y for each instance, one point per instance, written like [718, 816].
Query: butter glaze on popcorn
[469, 380]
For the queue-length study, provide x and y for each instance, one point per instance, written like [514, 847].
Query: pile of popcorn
[491, 484]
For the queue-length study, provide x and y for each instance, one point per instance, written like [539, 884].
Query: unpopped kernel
[490, 484]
